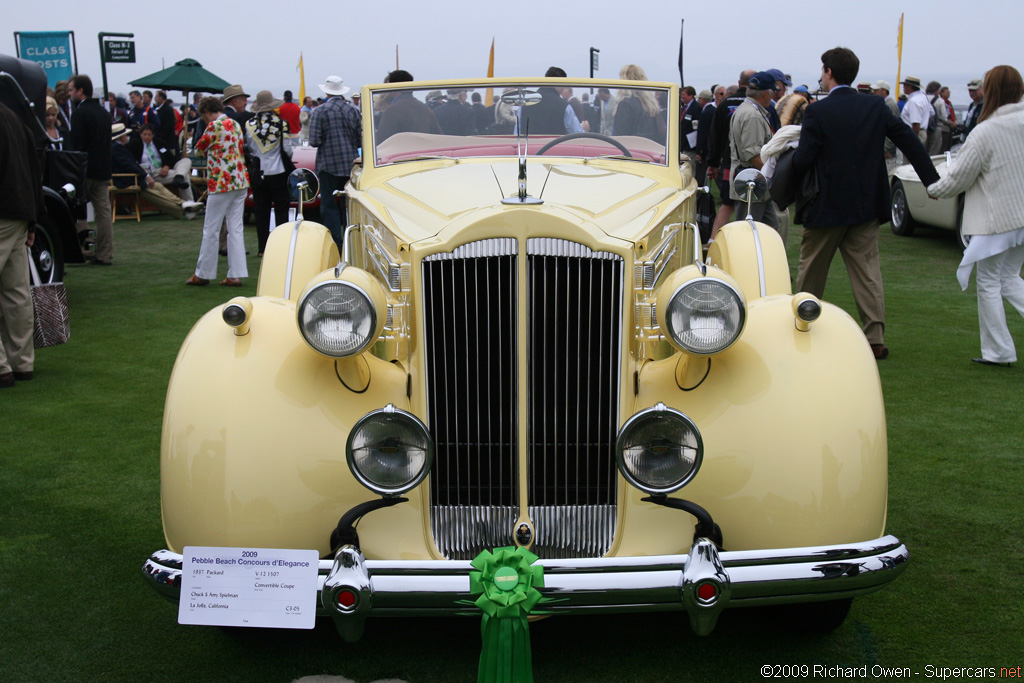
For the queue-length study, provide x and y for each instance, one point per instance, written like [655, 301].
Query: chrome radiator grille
[574, 311]
[575, 322]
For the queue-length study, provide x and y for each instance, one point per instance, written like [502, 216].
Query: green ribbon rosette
[507, 584]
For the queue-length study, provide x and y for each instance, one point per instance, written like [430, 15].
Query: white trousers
[999, 278]
[220, 207]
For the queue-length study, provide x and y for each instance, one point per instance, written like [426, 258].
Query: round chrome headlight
[659, 450]
[705, 316]
[337, 318]
[389, 451]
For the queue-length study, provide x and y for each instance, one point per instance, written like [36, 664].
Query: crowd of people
[848, 143]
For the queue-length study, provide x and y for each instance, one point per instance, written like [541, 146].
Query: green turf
[80, 509]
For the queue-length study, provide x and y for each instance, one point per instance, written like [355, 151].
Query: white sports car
[911, 206]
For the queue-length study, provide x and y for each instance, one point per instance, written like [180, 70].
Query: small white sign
[258, 587]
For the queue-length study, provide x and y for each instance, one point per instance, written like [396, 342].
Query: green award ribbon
[507, 584]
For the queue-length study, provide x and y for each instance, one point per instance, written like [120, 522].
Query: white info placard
[258, 587]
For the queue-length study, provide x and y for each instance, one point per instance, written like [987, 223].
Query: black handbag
[252, 163]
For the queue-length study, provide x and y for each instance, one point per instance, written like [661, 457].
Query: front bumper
[702, 582]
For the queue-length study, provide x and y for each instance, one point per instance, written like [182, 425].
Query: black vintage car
[23, 90]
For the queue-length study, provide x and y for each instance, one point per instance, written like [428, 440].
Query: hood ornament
[519, 98]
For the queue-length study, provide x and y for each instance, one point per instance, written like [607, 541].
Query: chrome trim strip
[760, 256]
[611, 584]
[291, 259]
[345, 252]
[497, 246]
[552, 246]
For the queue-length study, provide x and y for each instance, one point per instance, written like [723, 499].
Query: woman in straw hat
[990, 168]
[267, 138]
[227, 182]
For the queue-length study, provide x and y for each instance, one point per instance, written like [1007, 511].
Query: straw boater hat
[118, 130]
[233, 91]
[912, 81]
[335, 85]
[265, 102]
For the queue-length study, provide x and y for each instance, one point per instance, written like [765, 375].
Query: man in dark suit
[405, 113]
[689, 115]
[841, 142]
[165, 135]
[235, 98]
[90, 133]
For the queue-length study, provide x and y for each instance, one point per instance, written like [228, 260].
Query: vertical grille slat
[573, 341]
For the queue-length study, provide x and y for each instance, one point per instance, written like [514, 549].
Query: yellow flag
[302, 82]
[489, 100]
[899, 56]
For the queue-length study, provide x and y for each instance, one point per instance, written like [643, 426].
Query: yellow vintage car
[520, 343]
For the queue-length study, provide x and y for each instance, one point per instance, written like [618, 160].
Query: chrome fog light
[705, 316]
[659, 450]
[389, 451]
[337, 318]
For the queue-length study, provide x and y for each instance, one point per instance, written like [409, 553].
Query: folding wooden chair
[119, 194]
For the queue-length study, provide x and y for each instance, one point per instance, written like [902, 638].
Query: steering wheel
[574, 136]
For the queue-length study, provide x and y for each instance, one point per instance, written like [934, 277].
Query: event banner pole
[54, 51]
[121, 51]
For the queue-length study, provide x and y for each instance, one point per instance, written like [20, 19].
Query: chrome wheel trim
[899, 207]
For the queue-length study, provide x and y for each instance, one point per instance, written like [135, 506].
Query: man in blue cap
[749, 129]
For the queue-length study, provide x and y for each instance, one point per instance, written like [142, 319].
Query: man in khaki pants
[90, 133]
[21, 204]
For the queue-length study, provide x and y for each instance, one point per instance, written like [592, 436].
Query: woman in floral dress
[227, 182]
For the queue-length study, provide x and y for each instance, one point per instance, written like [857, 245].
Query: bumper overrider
[702, 582]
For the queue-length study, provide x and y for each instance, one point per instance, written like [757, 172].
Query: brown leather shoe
[231, 282]
[197, 281]
[7, 380]
[880, 351]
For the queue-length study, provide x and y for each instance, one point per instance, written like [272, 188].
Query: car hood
[621, 203]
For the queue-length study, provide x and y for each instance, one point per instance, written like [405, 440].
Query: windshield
[570, 119]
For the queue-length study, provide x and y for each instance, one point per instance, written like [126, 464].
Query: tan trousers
[99, 195]
[16, 315]
[164, 200]
[859, 246]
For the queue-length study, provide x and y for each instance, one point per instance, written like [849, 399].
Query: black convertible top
[32, 79]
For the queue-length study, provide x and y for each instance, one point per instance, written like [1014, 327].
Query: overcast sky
[257, 43]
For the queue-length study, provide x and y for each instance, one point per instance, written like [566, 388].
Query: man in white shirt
[916, 112]
[162, 163]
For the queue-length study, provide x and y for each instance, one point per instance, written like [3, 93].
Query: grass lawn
[80, 508]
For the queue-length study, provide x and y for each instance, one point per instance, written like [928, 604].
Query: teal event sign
[52, 50]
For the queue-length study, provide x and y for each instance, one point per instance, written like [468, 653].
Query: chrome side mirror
[303, 186]
[751, 185]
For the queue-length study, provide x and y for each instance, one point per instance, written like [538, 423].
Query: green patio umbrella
[188, 75]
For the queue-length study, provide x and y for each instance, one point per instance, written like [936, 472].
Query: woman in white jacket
[990, 168]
